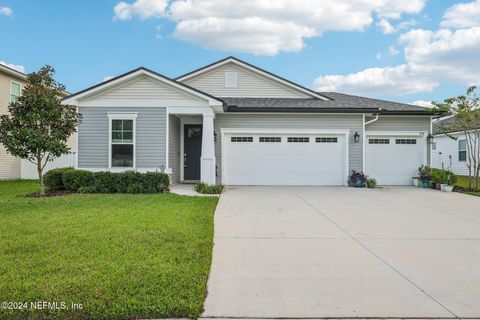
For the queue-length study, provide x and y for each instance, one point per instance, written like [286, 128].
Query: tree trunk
[40, 177]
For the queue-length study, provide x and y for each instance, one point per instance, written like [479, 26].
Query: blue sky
[422, 50]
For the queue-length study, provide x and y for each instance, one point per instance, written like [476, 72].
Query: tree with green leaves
[466, 113]
[38, 126]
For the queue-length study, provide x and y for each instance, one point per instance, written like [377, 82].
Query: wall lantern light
[356, 137]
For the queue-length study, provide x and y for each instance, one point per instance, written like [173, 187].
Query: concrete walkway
[301, 252]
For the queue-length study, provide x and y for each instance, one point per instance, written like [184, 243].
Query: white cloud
[392, 51]
[386, 26]
[107, 78]
[142, 8]
[462, 15]
[264, 27]
[431, 57]
[6, 11]
[379, 56]
[17, 67]
[422, 103]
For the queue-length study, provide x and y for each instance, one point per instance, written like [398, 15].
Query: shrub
[154, 182]
[104, 182]
[209, 189]
[54, 178]
[75, 179]
[371, 183]
[443, 176]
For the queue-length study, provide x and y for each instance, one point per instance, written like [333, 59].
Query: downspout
[373, 120]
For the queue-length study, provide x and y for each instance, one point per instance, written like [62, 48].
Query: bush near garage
[84, 181]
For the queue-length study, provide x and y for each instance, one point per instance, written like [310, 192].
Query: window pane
[116, 124]
[462, 144]
[462, 156]
[434, 146]
[128, 125]
[13, 98]
[15, 89]
[117, 136]
[127, 136]
[122, 155]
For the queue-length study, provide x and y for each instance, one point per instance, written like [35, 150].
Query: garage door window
[326, 140]
[270, 139]
[379, 141]
[405, 141]
[241, 139]
[298, 139]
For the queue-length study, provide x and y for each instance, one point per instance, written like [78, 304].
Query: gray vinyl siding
[174, 147]
[249, 84]
[293, 121]
[150, 137]
[401, 124]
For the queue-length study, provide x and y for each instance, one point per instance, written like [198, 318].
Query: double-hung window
[462, 150]
[122, 140]
[14, 91]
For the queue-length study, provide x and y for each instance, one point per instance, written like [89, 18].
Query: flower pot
[447, 188]
[438, 186]
[426, 183]
[415, 182]
[442, 187]
[358, 183]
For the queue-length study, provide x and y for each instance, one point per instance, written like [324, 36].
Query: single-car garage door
[393, 160]
[284, 159]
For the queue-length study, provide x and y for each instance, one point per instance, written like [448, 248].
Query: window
[434, 146]
[241, 139]
[122, 140]
[230, 79]
[462, 150]
[270, 139]
[326, 140]
[406, 141]
[14, 91]
[298, 139]
[379, 141]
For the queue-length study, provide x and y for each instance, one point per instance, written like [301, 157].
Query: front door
[192, 148]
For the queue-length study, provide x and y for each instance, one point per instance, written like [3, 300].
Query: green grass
[120, 256]
[462, 181]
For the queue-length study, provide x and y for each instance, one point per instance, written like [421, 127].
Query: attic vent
[230, 79]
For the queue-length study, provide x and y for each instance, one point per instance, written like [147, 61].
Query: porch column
[207, 168]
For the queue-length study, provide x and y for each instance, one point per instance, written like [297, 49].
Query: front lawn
[119, 256]
[462, 181]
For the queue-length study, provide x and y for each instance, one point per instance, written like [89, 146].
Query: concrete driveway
[305, 252]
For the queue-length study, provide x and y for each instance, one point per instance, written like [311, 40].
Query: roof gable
[143, 84]
[256, 81]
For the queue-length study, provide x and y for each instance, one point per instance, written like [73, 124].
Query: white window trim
[19, 84]
[122, 116]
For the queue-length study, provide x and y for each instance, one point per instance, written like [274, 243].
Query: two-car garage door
[284, 159]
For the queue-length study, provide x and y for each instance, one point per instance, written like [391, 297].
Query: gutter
[373, 120]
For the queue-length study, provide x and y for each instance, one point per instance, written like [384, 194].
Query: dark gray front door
[192, 151]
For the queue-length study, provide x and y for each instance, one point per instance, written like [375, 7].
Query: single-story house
[449, 149]
[233, 123]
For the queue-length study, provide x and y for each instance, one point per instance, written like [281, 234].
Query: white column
[207, 168]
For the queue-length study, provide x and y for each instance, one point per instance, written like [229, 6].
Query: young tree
[38, 125]
[466, 112]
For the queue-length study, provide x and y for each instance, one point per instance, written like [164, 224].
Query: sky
[411, 51]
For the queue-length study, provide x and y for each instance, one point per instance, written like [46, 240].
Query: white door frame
[345, 132]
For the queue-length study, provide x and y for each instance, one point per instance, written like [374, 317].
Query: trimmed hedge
[54, 178]
[209, 189]
[85, 181]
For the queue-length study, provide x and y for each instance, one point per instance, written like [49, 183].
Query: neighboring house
[11, 86]
[449, 151]
[236, 124]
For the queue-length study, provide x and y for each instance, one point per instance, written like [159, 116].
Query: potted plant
[425, 176]
[449, 180]
[437, 178]
[357, 179]
[415, 181]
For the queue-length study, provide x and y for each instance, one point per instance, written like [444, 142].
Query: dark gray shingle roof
[339, 102]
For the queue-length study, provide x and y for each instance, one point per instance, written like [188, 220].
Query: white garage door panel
[284, 163]
[393, 164]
